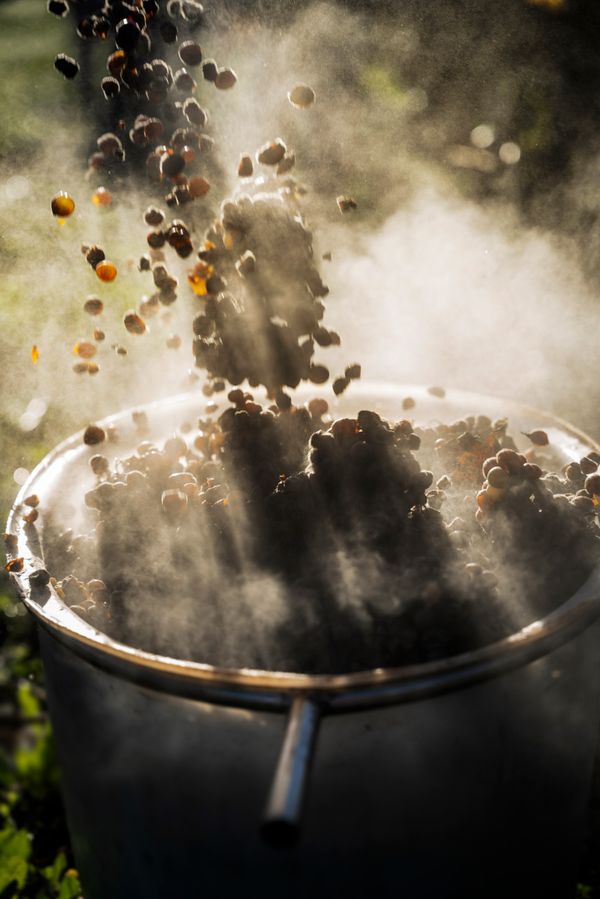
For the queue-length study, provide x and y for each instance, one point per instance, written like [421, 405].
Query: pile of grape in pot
[280, 539]
[273, 535]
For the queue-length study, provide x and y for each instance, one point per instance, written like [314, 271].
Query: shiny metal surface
[451, 780]
[282, 819]
[432, 799]
[54, 478]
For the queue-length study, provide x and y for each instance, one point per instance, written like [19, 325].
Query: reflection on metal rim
[339, 692]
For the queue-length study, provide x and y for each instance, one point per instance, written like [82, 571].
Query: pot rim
[338, 692]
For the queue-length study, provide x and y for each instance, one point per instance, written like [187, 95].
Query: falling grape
[62, 205]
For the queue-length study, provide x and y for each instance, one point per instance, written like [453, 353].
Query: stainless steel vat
[462, 778]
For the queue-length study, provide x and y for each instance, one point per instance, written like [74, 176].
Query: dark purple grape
[66, 65]
[110, 87]
[127, 35]
[58, 7]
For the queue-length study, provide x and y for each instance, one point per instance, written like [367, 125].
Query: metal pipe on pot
[281, 823]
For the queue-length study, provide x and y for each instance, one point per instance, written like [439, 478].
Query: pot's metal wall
[480, 793]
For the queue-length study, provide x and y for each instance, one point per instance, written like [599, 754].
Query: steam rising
[442, 290]
[426, 286]
[453, 294]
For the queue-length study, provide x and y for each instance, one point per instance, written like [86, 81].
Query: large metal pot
[457, 779]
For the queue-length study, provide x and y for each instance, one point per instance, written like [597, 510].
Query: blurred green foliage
[35, 856]
[35, 860]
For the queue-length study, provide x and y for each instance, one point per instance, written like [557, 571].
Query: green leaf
[28, 703]
[12, 891]
[15, 849]
[35, 765]
[54, 872]
[70, 887]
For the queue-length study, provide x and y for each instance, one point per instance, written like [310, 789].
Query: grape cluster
[262, 297]
[376, 568]
[165, 121]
